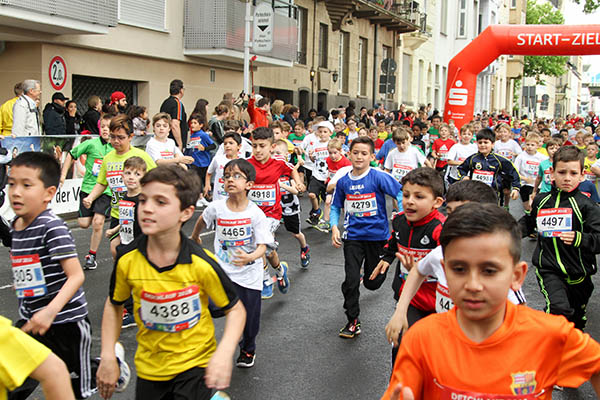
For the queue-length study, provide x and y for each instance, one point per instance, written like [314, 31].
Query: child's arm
[41, 321]
[428, 163]
[218, 370]
[199, 227]
[65, 168]
[291, 189]
[54, 378]
[108, 370]
[112, 231]
[207, 183]
[242, 258]
[297, 181]
[96, 192]
[595, 381]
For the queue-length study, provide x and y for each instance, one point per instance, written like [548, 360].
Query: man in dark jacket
[54, 115]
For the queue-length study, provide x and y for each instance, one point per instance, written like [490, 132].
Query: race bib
[417, 254]
[548, 176]
[126, 220]
[506, 154]
[361, 205]
[96, 167]
[28, 276]
[285, 181]
[486, 177]
[167, 155]
[443, 156]
[520, 385]
[234, 232]
[399, 171]
[321, 153]
[443, 302]
[552, 221]
[531, 167]
[589, 176]
[115, 181]
[194, 143]
[263, 195]
[170, 311]
[221, 187]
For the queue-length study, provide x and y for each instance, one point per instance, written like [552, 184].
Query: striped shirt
[48, 239]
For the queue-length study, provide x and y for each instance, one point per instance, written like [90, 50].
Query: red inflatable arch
[496, 40]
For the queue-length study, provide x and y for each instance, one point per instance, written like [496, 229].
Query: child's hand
[407, 393]
[567, 237]
[187, 159]
[87, 203]
[514, 194]
[336, 240]
[206, 189]
[218, 372]
[40, 322]
[381, 267]
[106, 377]
[242, 258]
[397, 326]
[200, 147]
[408, 261]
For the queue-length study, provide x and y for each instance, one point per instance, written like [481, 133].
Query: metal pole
[247, 45]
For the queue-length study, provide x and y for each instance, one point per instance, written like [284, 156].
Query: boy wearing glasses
[241, 237]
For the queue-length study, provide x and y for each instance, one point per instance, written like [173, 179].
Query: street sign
[387, 84]
[263, 28]
[57, 72]
[388, 66]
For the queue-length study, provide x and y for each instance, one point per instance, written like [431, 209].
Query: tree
[589, 6]
[536, 66]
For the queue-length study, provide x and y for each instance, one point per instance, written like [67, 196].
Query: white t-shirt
[431, 265]
[339, 174]
[216, 167]
[320, 153]
[528, 166]
[401, 163]
[505, 149]
[162, 150]
[459, 152]
[309, 140]
[239, 231]
[245, 149]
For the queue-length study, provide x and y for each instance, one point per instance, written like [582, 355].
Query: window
[444, 80]
[150, 14]
[363, 52]
[444, 16]
[513, 3]
[406, 74]
[283, 7]
[344, 62]
[213, 75]
[323, 43]
[545, 102]
[462, 19]
[420, 81]
[302, 18]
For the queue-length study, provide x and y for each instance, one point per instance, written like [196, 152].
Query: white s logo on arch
[458, 95]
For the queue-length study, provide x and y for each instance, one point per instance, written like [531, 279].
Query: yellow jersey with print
[175, 328]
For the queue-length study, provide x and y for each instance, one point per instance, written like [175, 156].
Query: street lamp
[312, 74]
[335, 76]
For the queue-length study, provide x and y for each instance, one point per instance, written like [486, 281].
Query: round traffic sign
[57, 72]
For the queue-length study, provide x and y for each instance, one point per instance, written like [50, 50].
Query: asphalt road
[299, 353]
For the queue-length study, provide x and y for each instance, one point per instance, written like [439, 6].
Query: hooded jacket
[54, 119]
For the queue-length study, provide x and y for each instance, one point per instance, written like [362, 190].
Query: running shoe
[128, 320]
[245, 360]
[267, 291]
[323, 226]
[125, 374]
[314, 216]
[283, 282]
[351, 329]
[220, 395]
[90, 262]
[305, 257]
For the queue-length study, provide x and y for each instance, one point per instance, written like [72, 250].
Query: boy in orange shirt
[527, 352]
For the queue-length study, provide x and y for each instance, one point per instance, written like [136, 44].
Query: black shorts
[114, 222]
[71, 342]
[187, 385]
[506, 183]
[292, 223]
[526, 191]
[100, 206]
[201, 172]
[317, 188]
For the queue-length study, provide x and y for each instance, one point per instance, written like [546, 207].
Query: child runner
[298, 135]
[361, 193]
[405, 157]
[543, 181]
[231, 145]
[290, 205]
[267, 195]
[568, 225]
[199, 148]
[528, 164]
[591, 150]
[508, 149]
[171, 279]
[460, 151]
[161, 148]
[242, 235]
[438, 358]
[317, 151]
[441, 147]
[95, 149]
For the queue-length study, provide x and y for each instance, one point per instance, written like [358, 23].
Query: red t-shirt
[378, 145]
[334, 167]
[442, 147]
[265, 192]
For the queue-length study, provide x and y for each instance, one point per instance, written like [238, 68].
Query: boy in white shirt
[505, 145]
[460, 151]
[527, 164]
[162, 149]
[318, 152]
[232, 142]
[405, 157]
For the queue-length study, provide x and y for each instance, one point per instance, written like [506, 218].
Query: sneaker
[314, 216]
[125, 375]
[128, 320]
[267, 291]
[283, 282]
[323, 226]
[90, 262]
[245, 360]
[220, 395]
[351, 329]
[305, 257]
[394, 213]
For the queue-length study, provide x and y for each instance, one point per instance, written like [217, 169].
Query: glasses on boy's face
[119, 138]
[235, 177]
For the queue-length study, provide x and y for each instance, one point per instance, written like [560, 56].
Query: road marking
[6, 287]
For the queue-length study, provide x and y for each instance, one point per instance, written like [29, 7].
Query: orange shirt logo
[523, 382]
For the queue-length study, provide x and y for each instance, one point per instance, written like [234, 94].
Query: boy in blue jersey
[361, 193]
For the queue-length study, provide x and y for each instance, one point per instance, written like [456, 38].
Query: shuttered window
[150, 14]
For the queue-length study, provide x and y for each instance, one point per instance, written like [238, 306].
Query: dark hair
[563, 130]
[175, 86]
[121, 121]
[568, 154]
[136, 111]
[185, 182]
[232, 125]
[475, 219]
[436, 116]
[545, 130]
[136, 163]
[276, 124]
[263, 133]
[198, 118]
[363, 140]
[486, 134]
[201, 107]
[471, 190]
[233, 135]
[244, 166]
[262, 102]
[426, 177]
[47, 165]
[293, 109]
[18, 89]
[107, 117]
[221, 109]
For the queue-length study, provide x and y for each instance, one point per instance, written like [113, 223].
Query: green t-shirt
[545, 169]
[295, 139]
[110, 174]
[95, 149]
[433, 133]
